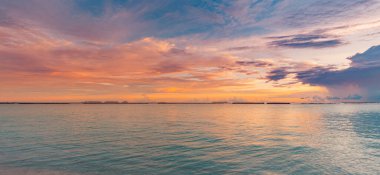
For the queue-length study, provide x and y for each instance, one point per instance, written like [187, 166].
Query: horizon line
[214, 102]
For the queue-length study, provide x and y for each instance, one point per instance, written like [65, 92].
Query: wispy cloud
[255, 63]
[306, 41]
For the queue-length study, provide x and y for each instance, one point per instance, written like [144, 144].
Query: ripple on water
[189, 139]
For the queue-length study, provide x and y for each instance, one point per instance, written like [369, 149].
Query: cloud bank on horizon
[247, 50]
[361, 77]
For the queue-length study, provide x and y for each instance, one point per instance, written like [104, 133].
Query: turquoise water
[190, 139]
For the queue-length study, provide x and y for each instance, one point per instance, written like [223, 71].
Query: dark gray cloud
[363, 74]
[306, 41]
[310, 76]
[364, 71]
[369, 58]
[350, 76]
[278, 74]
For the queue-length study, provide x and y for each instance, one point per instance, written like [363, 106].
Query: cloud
[120, 21]
[357, 82]
[255, 63]
[361, 77]
[311, 13]
[278, 74]
[169, 66]
[353, 97]
[70, 18]
[31, 58]
[369, 58]
[363, 69]
[306, 41]
[170, 46]
[240, 48]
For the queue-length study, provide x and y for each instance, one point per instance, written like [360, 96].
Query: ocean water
[181, 139]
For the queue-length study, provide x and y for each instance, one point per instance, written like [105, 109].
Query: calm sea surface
[189, 139]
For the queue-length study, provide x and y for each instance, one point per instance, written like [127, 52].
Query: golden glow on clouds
[54, 69]
[64, 59]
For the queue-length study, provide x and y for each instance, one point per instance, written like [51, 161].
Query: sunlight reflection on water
[190, 139]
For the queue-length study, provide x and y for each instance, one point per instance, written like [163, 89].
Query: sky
[190, 50]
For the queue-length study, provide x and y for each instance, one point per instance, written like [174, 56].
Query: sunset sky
[190, 50]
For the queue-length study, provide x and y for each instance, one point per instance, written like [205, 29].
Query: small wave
[25, 171]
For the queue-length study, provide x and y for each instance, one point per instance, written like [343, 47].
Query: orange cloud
[38, 65]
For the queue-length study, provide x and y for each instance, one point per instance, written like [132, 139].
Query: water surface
[190, 139]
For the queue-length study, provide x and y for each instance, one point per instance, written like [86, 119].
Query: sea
[181, 139]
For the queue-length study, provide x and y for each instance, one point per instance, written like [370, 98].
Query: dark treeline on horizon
[216, 102]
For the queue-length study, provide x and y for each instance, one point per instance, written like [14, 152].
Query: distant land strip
[217, 102]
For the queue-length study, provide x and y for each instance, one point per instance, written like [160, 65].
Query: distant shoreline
[183, 103]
